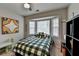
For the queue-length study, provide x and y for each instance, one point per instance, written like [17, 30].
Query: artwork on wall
[9, 25]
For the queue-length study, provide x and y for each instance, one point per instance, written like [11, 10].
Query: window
[50, 26]
[43, 26]
[39, 26]
[55, 27]
[31, 27]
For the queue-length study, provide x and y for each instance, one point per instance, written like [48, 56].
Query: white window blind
[31, 27]
[43, 26]
[55, 27]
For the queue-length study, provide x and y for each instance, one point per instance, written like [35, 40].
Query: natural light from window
[43, 26]
[49, 26]
[55, 27]
[32, 27]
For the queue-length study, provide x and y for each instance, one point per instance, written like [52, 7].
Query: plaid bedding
[33, 46]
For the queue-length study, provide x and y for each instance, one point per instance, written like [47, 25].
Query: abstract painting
[9, 25]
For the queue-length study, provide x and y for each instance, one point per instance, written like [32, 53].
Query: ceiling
[42, 7]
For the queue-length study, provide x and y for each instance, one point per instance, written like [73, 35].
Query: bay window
[49, 26]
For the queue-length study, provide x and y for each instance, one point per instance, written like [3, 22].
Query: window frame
[34, 27]
[50, 25]
[56, 26]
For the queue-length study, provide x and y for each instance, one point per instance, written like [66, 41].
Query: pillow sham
[41, 35]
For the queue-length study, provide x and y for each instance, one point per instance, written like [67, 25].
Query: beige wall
[61, 13]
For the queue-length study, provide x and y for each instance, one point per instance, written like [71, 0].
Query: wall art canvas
[9, 25]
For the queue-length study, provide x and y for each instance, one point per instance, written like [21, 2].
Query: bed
[33, 46]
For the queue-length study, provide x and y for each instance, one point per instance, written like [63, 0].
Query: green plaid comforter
[33, 46]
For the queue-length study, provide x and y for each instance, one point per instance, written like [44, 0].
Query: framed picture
[9, 25]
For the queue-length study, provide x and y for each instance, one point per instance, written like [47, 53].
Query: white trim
[43, 18]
